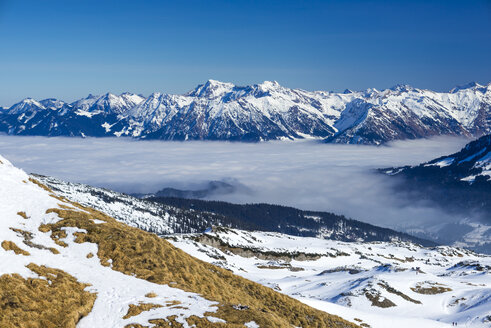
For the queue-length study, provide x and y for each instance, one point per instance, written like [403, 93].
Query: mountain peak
[107, 95]
[269, 85]
[52, 103]
[401, 87]
[212, 89]
[91, 96]
[26, 105]
[471, 85]
[28, 100]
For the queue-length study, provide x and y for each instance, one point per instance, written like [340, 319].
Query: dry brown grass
[58, 300]
[146, 256]
[56, 236]
[135, 310]
[378, 300]
[397, 292]
[23, 214]
[429, 288]
[28, 240]
[11, 246]
[170, 322]
[151, 295]
[39, 184]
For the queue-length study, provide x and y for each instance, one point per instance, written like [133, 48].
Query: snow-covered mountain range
[266, 111]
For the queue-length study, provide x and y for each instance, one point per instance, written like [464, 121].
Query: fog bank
[303, 174]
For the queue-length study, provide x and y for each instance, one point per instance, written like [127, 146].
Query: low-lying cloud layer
[305, 174]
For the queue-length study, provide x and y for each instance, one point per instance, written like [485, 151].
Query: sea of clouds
[304, 174]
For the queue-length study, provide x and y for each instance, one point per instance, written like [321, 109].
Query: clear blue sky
[67, 49]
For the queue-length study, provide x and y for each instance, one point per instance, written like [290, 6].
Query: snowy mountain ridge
[471, 163]
[369, 280]
[267, 111]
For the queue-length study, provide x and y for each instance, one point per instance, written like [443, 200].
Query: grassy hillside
[56, 299]
[146, 256]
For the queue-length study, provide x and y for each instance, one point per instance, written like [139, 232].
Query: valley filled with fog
[304, 174]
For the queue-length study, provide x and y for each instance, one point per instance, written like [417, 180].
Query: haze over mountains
[266, 111]
[460, 184]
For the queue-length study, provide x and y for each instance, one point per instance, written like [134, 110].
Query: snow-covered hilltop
[266, 111]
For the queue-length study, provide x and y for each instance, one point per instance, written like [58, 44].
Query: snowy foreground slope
[63, 265]
[379, 284]
[266, 111]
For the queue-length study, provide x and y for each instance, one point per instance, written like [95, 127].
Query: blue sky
[67, 49]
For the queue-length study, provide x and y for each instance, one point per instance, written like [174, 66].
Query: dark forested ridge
[293, 221]
[167, 215]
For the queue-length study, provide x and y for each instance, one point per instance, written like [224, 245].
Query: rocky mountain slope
[377, 285]
[165, 216]
[460, 183]
[66, 265]
[266, 111]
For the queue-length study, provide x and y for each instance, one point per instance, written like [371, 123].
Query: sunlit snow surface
[115, 290]
[338, 281]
